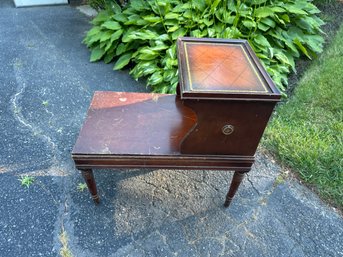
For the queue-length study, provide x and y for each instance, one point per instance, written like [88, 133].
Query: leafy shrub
[97, 4]
[144, 34]
[103, 4]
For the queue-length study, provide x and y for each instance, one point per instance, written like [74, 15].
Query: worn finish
[236, 181]
[249, 119]
[181, 161]
[158, 213]
[216, 120]
[223, 82]
[134, 124]
[141, 130]
[88, 176]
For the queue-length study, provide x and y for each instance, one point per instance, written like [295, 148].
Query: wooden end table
[216, 120]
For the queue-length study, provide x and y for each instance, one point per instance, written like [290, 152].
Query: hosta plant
[103, 4]
[143, 34]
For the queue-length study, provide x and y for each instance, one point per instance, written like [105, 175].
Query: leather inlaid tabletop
[221, 67]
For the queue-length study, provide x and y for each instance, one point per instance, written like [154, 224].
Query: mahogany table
[216, 120]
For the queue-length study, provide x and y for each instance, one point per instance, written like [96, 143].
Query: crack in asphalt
[15, 106]
[55, 167]
[252, 184]
[18, 115]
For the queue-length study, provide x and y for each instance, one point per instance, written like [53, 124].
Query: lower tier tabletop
[134, 124]
[142, 130]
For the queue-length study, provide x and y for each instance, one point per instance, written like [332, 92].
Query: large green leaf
[231, 33]
[101, 17]
[180, 8]
[196, 33]
[150, 69]
[105, 36]
[109, 57]
[168, 74]
[263, 26]
[113, 25]
[179, 33]
[152, 18]
[171, 52]
[146, 53]
[110, 47]
[277, 9]
[116, 35]
[93, 39]
[115, 7]
[142, 35]
[122, 61]
[214, 5]
[311, 9]
[172, 29]
[139, 5]
[199, 4]
[171, 15]
[249, 24]
[188, 14]
[301, 47]
[159, 47]
[263, 12]
[256, 2]
[262, 40]
[97, 53]
[93, 31]
[286, 18]
[121, 48]
[163, 37]
[136, 19]
[207, 22]
[120, 17]
[291, 61]
[295, 10]
[268, 21]
[170, 63]
[282, 57]
[155, 78]
[211, 32]
[315, 42]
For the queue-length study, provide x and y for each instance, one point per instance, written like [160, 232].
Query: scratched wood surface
[134, 124]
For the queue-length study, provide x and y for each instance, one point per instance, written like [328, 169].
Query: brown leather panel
[221, 67]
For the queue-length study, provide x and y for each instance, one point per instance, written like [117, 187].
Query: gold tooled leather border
[221, 90]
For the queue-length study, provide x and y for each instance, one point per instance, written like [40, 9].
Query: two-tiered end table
[215, 121]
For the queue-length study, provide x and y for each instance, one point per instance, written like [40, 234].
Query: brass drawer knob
[228, 129]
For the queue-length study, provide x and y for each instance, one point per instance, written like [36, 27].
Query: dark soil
[332, 14]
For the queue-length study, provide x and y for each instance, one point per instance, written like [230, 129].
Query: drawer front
[227, 127]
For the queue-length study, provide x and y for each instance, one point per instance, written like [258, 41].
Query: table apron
[193, 162]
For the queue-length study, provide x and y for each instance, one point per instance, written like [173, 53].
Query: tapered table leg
[236, 181]
[90, 181]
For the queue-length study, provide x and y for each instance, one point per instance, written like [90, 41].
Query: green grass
[306, 134]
